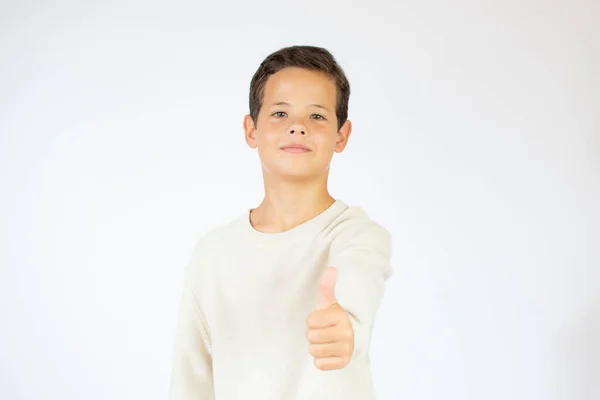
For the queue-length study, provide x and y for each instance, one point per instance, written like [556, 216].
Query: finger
[325, 318]
[331, 363]
[337, 349]
[329, 335]
[327, 283]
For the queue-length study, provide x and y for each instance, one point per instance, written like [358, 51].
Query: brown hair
[308, 57]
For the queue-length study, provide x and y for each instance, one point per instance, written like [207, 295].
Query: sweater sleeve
[191, 374]
[362, 257]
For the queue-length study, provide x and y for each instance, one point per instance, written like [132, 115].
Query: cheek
[267, 134]
[270, 140]
[267, 142]
[270, 129]
[326, 140]
[272, 134]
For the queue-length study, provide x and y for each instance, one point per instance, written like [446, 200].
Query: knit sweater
[246, 297]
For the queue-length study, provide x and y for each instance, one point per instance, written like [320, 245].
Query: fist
[330, 334]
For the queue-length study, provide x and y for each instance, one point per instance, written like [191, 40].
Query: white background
[476, 142]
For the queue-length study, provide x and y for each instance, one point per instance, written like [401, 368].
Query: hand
[330, 334]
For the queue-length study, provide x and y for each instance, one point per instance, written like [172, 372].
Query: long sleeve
[362, 256]
[191, 374]
[246, 298]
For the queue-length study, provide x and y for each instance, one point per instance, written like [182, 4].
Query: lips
[295, 148]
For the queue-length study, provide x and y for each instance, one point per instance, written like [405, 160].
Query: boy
[280, 303]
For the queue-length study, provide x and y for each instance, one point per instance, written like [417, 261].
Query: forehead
[300, 85]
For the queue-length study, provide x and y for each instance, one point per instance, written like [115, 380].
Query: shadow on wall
[579, 351]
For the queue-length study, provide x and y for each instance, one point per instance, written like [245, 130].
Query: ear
[342, 136]
[250, 131]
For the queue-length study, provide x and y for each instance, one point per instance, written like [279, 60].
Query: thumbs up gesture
[330, 334]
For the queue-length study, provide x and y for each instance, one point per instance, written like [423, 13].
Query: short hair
[307, 57]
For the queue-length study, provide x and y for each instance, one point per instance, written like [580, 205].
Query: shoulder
[354, 221]
[357, 241]
[214, 241]
[353, 227]
[220, 236]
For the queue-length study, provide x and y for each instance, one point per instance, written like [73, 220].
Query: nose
[298, 127]
[296, 130]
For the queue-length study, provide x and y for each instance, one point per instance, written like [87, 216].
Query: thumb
[326, 295]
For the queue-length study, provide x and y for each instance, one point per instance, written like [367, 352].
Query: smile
[295, 149]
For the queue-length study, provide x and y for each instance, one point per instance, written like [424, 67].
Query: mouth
[295, 149]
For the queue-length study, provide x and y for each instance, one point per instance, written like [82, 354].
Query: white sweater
[247, 295]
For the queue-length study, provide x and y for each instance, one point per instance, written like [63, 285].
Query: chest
[264, 291]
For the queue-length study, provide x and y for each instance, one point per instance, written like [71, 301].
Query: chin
[295, 168]
[293, 173]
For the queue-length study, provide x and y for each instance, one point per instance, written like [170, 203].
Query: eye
[319, 116]
[278, 114]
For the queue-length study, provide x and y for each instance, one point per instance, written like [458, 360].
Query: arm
[362, 256]
[191, 375]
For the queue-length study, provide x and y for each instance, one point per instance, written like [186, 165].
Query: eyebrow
[283, 103]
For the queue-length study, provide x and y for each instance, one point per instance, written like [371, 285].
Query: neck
[289, 203]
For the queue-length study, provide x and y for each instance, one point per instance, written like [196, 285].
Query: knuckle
[348, 333]
[314, 351]
[317, 363]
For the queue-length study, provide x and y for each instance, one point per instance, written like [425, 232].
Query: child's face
[298, 108]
